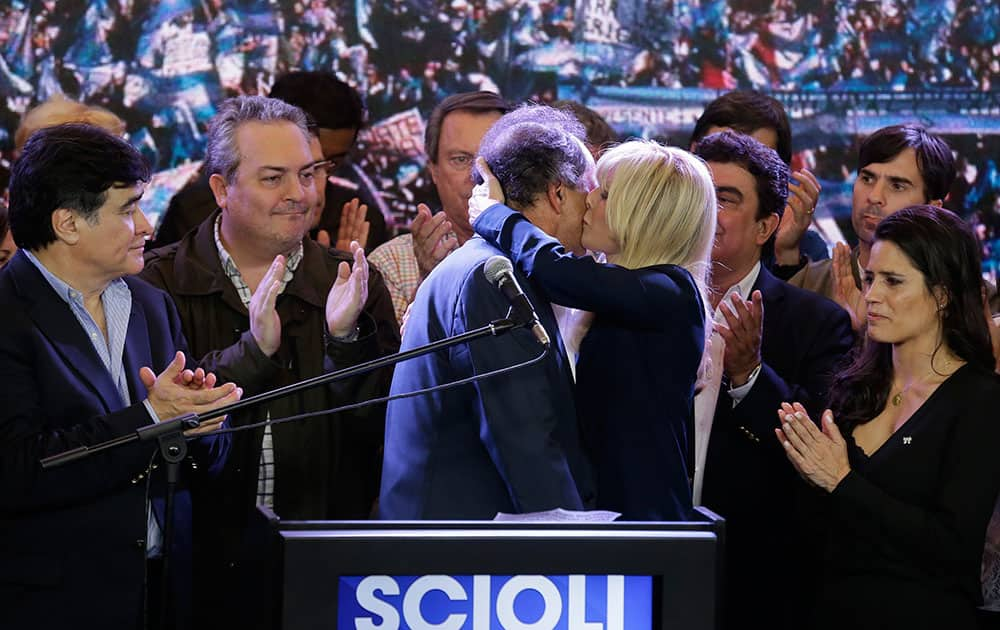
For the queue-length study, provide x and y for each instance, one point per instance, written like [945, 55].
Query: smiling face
[900, 306]
[739, 235]
[883, 188]
[110, 244]
[269, 204]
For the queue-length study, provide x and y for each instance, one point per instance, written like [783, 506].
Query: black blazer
[748, 479]
[72, 538]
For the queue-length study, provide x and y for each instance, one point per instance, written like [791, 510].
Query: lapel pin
[907, 439]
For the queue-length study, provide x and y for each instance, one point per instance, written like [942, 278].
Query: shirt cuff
[739, 393]
[152, 413]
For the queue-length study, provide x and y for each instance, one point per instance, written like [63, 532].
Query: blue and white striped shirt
[117, 303]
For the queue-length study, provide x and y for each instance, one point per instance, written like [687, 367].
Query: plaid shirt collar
[233, 272]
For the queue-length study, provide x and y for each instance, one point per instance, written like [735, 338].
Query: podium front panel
[499, 576]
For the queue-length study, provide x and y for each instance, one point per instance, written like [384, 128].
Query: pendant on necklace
[897, 399]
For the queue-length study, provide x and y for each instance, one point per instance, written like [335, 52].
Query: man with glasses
[454, 130]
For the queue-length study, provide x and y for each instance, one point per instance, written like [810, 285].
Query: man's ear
[219, 188]
[937, 203]
[766, 227]
[66, 225]
[554, 195]
[432, 170]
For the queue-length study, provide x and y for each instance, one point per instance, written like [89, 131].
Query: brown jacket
[818, 276]
[326, 467]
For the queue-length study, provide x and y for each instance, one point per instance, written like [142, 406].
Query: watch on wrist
[752, 375]
[348, 338]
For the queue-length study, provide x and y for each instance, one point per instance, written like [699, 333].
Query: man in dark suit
[780, 344]
[509, 443]
[81, 340]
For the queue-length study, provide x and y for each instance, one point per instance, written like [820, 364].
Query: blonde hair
[661, 209]
[59, 110]
[661, 205]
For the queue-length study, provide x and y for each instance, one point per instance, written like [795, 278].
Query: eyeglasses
[323, 168]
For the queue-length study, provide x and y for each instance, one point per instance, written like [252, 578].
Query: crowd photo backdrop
[842, 68]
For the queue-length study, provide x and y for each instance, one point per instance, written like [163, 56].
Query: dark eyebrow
[894, 274]
[729, 189]
[280, 169]
[131, 200]
[894, 179]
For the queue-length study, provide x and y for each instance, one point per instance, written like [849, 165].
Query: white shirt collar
[742, 287]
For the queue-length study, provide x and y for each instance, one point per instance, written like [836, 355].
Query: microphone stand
[169, 434]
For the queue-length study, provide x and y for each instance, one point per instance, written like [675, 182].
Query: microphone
[500, 272]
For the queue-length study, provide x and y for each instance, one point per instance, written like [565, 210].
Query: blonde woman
[653, 216]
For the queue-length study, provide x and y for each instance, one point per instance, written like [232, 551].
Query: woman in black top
[907, 455]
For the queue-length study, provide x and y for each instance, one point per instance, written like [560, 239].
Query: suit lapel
[57, 322]
[548, 320]
[772, 294]
[137, 354]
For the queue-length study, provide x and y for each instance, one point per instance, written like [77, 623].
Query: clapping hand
[265, 324]
[802, 199]
[432, 239]
[177, 391]
[348, 294]
[742, 333]
[820, 457]
[845, 291]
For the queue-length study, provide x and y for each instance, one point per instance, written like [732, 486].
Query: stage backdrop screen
[841, 67]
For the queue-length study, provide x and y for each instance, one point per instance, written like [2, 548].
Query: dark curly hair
[943, 248]
[747, 111]
[762, 162]
[934, 158]
[67, 166]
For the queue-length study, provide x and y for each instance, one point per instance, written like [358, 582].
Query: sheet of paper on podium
[560, 515]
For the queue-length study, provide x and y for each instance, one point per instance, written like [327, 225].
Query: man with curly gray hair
[509, 443]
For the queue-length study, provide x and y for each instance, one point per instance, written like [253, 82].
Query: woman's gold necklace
[897, 400]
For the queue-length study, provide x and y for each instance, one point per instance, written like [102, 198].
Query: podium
[478, 575]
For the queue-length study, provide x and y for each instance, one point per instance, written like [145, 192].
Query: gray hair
[222, 156]
[532, 147]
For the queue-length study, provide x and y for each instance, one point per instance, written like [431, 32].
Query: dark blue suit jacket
[637, 367]
[748, 478]
[72, 538]
[509, 443]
